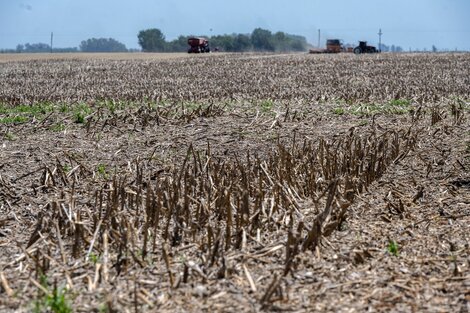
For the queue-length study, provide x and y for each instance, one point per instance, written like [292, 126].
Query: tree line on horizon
[89, 45]
[153, 40]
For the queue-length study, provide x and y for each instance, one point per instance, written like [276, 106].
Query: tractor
[364, 48]
[198, 45]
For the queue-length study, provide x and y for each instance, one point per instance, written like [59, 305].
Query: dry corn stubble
[230, 77]
[214, 219]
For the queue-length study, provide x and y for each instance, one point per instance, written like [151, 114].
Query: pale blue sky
[409, 23]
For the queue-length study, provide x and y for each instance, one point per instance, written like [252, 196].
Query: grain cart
[198, 45]
[332, 46]
[364, 48]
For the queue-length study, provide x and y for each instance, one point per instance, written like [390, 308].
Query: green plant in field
[57, 127]
[392, 247]
[110, 105]
[43, 281]
[152, 105]
[81, 111]
[94, 258]
[17, 119]
[400, 102]
[34, 109]
[98, 136]
[103, 308]
[66, 168]
[338, 111]
[340, 101]
[79, 118]
[191, 106]
[399, 106]
[266, 105]
[113, 105]
[64, 108]
[101, 168]
[53, 301]
[10, 137]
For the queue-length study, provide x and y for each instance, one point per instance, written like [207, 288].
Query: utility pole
[319, 38]
[380, 39]
[52, 39]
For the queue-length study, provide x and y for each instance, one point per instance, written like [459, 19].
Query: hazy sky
[408, 23]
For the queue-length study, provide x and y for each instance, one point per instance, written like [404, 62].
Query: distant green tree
[179, 44]
[262, 40]
[152, 40]
[242, 43]
[281, 41]
[434, 48]
[296, 43]
[222, 42]
[36, 47]
[102, 45]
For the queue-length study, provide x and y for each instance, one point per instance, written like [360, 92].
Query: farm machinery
[364, 48]
[332, 46]
[198, 45]
[336, 46]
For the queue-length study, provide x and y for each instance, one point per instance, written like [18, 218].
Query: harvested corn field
[241, 182]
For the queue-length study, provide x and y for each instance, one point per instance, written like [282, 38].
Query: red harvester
[198, 45]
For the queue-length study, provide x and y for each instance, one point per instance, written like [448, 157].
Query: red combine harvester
[198, 45]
